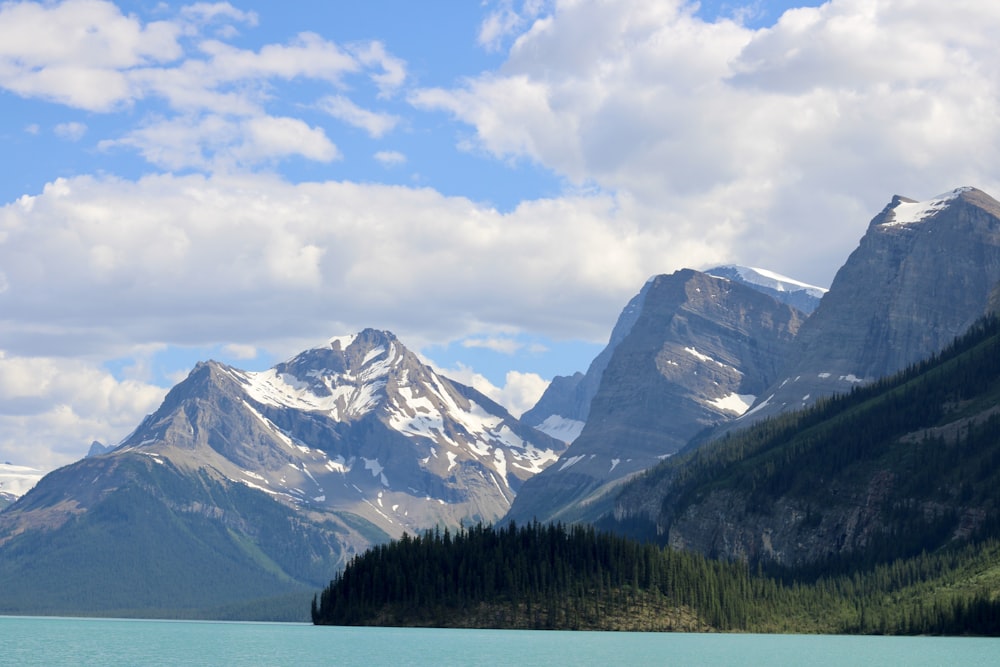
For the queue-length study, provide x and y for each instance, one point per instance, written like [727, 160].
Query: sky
[491, 181]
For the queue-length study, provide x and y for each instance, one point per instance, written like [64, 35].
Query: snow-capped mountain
[690, 351]
[289, 471]
[795, 293]
[564, 408]
[357, 424]
[923, 272]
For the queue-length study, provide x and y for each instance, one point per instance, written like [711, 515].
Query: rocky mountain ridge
[696, 354]
[920, 276]
[340, 447]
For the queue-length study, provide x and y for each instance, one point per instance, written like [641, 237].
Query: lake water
[110, 642]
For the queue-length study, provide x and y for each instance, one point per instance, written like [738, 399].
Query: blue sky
[492, 181]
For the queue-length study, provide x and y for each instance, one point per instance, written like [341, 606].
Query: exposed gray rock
[565, 405]
[923, 272]
[699, 351]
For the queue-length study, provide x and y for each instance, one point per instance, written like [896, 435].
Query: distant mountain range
[290, 471]
[251, 486]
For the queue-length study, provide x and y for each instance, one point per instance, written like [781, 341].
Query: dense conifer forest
[558, 577]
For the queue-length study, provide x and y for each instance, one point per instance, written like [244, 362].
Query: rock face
[698, 352]
[344, 445]
[923, 272]
[565, 406]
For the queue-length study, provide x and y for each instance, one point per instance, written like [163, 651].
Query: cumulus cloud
[90, 262]
[51, 409]
[520, 391]
[772, 138]
[70, 131]
[506, 19]
[78, 52]
[390, 158]
[241, 351]
[374, 123]
[87, 54]
[497, 344]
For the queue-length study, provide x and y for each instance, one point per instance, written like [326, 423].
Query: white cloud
[268, 137]
[763, 141]
[391, 71]
[202, 13]
[241, 351]
[497, 344]
[91, 262]
[87, 54]
[390, 158]
[51, 409]
[374, 123]
[218, 143]
[520, 391]
[505, 20]
[78, 52]
[70, 131]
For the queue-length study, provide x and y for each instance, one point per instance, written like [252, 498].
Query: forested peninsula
[577, 578]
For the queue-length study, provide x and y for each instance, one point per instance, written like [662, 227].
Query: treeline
[556, 577]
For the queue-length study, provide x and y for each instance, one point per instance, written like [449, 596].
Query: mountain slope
[564, 407]
[277, 476]
[795, 293]
[699, 350]
[906, 464]
[923, 273]
[135, 535]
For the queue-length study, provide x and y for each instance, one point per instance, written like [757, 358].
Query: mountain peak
[903, 211]
[795, 293]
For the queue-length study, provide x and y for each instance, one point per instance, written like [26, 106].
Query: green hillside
[228, 551]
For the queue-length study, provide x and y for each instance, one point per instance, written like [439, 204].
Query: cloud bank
[678, 142]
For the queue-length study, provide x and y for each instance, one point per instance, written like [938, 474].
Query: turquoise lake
[110, 642]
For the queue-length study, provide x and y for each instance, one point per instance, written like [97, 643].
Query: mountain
[698, 351]
[800, 295]
[97, 448]
[564, 407]
[905, 465]
[921, 275]
[275, 478]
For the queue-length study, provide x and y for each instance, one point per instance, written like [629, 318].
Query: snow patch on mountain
[909, 212]
[766, 278]
[735, 403]
[562, 428]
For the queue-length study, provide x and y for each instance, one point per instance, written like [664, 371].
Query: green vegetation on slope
[931, 432]
[553, 577]
[224, 551]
